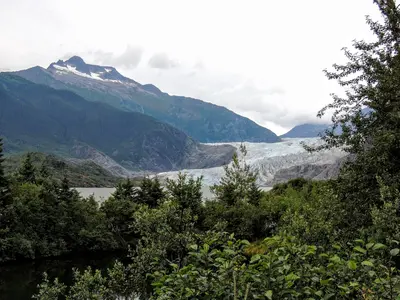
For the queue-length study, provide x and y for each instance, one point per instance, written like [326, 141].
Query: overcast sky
[262, 59]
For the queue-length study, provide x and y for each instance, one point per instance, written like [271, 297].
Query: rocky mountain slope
[39, 118]
[205, 122]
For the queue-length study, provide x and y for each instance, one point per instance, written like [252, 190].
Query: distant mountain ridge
[200, 120]
[315, 130]
[35, 117]
[306, 131]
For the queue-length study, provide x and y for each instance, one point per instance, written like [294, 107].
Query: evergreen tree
[27, 170]
[44, 171]
[254, 194]
[186, 191]
[368, 115]
[125, 190]
[150, 192]
[65, 192]
[239, 181]
[5, 197]
[4, 184]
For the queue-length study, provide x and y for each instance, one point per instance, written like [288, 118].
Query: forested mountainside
[79, 173]
[35, 117]
[200, 120]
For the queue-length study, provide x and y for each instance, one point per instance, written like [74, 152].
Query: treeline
[42, 217]
[79, 173]
[337, 239]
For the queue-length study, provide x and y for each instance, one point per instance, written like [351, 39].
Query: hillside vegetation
[38, 118]
[78, 173]
[203, 121]
[336, 239]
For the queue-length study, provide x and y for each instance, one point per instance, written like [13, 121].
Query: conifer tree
[125, 190]
[238, 182]
[254, 194]
[4, 184]
[150, 192]
[186, 191]
[27, 170]
[368, 115]
[65, 193]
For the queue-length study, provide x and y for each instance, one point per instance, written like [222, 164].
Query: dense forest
[79, 173]
[336, 239]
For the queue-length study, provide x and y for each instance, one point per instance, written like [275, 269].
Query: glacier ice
[267, 159]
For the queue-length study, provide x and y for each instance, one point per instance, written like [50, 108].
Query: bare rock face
[87, 153]
[202, 156]
[311, 171]
[306, 171]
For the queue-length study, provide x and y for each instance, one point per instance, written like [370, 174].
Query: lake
[101, 194]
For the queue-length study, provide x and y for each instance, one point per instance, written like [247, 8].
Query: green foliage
[50, 291]
[303, 233]
[238, 182]
[309, 211]
[27, 170]
[119, 215]
[78, 173]
[151, 193]
[369, 117]
[44, 218]
[385, 226]
[245, 220]
[125, 190]
[185, 191]
[237, 206]
[286, 270]
[4, 184]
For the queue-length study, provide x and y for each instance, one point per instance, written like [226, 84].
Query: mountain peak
[76, 60]
[77, 66]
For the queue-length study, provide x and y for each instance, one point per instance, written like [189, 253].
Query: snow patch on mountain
[268, 159]
[71, 69]
[77, 66]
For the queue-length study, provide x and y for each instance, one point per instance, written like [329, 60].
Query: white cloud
[129, 59]
[162, 61]
[262, 59]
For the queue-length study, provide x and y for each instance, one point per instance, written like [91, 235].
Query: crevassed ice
[267, 159]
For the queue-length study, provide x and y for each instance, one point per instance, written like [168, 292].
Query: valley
[191, 165]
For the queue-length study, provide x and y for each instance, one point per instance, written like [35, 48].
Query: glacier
[267, 159]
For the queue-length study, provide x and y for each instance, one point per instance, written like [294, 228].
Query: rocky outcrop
[310, 171]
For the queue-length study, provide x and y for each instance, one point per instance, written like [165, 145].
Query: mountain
[306, 131]
[201, 120]
[39, 118]
[315, 130]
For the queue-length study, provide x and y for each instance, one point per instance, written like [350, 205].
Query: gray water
[102, 194]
